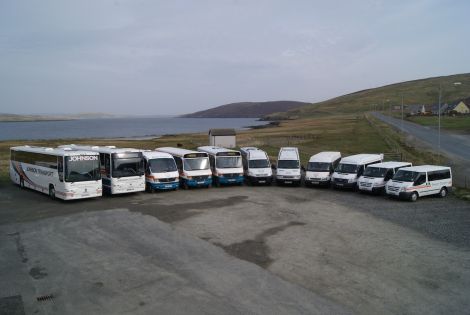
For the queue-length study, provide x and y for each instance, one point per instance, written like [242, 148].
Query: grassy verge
[462, 193]
[451, 123]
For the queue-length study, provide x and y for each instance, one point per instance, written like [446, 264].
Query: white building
[226, 138]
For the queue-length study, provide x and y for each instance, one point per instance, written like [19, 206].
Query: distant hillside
[247, 109]
[423, 91]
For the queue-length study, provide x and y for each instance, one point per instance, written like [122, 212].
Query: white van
[193, 167]
[351, 168]
[320, 167]
[256, 166]
[226, 165]
[377, 175]
[413, 182]
[288, 169]
[160, 171]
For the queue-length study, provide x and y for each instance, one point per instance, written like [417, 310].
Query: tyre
[52, 192]
[185, 185]
[443, 192]
[148, 188]
[414, 196]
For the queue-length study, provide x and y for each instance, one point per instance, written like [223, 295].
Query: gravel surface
[368, 254]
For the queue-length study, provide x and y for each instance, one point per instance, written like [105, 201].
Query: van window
[289, 164]
[389, 174]
[259, 164]
[318, 167]
[347, 168]
[438, 175]
[179, 162]
[360, 170]
[421, 179]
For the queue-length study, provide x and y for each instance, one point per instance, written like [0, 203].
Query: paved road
[451, 144]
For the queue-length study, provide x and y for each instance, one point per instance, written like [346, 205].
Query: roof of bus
[391, 164]
[425, 168]
[326, 156]
[288, 153]
[214, 149]
[156, 154]
[361, 158]
[53, 151]
[176, 151]
[100, 149]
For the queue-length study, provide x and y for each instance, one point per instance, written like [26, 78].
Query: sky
[155, 57]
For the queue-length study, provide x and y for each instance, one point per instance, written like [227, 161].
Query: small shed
[226, 138]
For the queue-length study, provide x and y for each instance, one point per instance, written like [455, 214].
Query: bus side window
[360, 170]
[212, 161]
[389, 174]
[107, 165]
[60, 168]
[179, 163]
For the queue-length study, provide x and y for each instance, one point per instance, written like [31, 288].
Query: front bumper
[317, 182]
[346, 185]
[372, 189]
[164, 186]
[226, 180]
[288, 181]
[267, 180]
[198, 183]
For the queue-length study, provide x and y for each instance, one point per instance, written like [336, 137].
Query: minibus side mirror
[302, 168]
[273, 166]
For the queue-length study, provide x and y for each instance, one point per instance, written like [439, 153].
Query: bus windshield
[196, 164]
[80, 168]
[375, 172]
[292, 164]
[228, 162]
[162, 165]
[405, 176]
[318, 166]
[127, 164]
[347, 168]
[259, 164]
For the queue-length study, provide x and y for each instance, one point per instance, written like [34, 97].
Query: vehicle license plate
[262, 181]
[288, 182]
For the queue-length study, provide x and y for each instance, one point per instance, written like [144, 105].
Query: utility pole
[402, 109]
[439, 125]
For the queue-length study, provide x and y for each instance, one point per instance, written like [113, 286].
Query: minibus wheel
[443, 192]
[185, 186]
[414, 196]
[52, 191]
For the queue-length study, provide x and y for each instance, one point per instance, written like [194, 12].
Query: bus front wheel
[51, 191]
[414, 196]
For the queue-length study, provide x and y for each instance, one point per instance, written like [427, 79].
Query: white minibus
[416, 181]
[161, 172]
[256, 166]
[320, 167]
[122, 169]
[350, 168]
[377, 175]
[226, 165]
[62, 173]
[193, 167]
[288, 168]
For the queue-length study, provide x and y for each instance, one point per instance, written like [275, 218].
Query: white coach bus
[122, 169]
[62, 173]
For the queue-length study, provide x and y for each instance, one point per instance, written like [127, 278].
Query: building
[226, 138]
[458, 108]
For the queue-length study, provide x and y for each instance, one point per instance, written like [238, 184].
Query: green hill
[247, 109]
[423, 91]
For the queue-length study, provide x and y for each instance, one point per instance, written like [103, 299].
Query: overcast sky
[173, 57]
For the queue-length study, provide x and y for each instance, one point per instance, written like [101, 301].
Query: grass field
[457, 123]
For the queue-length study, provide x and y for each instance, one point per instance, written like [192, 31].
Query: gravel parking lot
[332, 250]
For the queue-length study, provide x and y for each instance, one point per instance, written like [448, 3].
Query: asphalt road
[235, 250]
[452, 144]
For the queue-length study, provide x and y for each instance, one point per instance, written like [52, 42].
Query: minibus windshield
[228, 162]
[127, 164]
[347, 168]
[162, 165]
[318, 166]
[293, 164]
[259, 164]
[375, 172]
[82, 168]
[405, 176]
[196, 164]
